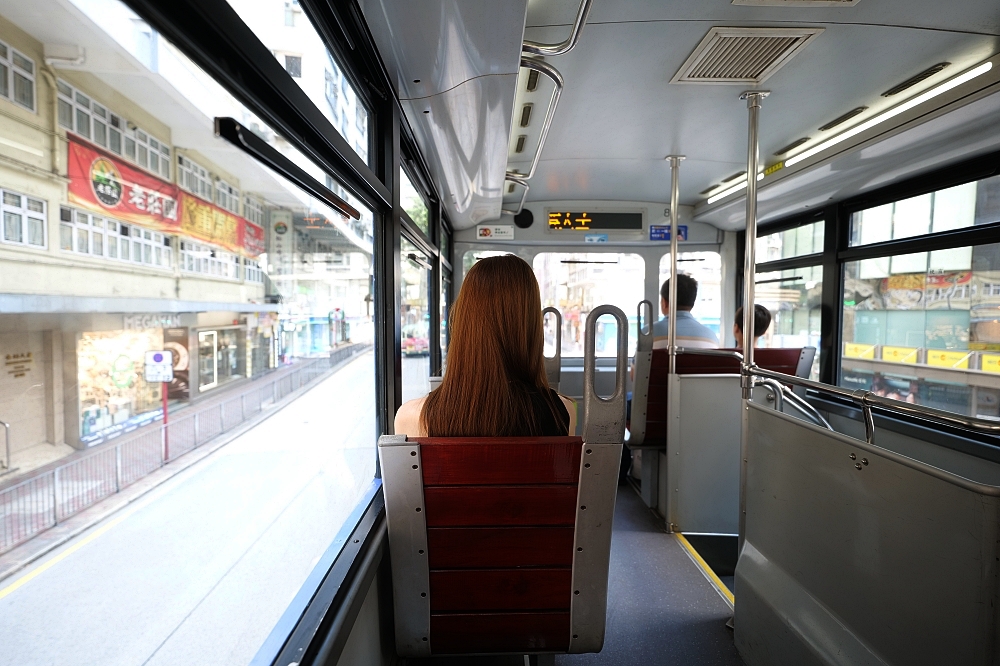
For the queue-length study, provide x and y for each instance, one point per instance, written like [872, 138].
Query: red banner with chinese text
[104, 184]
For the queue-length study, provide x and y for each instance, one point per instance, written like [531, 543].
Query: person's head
[761, 322]
[687, 294]
[495, 358]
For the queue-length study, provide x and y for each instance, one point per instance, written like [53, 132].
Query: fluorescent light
[891, 113]
[738, 187]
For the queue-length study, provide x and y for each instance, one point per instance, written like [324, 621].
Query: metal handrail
[524, 195]
[565, 46]
[553, 365]
[557, 78]
[867, 400]
[804, 407]
[726, 353]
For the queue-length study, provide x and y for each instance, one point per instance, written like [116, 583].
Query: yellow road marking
[60, 557]
[723, 590]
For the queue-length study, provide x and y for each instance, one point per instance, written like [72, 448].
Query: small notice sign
[159, 367]
[661, 232]
[595, 238]
[495, 232]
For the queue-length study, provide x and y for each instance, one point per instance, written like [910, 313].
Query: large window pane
[415, 320]
[706, 268]
[576, 283]
[794, 298]
[413, 203]
[284, 29]
[269, 325]
[930, 337]
[796, 242]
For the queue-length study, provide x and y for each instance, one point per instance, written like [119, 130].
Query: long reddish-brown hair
[495, 357]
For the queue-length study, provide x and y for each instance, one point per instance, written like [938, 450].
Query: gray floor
[661, 609]
[200, 570]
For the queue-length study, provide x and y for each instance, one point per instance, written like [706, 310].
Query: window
[83, 115]
[17, 77]
[413, 203]
[253, 210]
[252, 272]
[227, 196]
[415, 319]
[794, 298]
[706, 268]
[924, 327]
[293, 64]
[207, 260]
[291, 10]
[81, 232]
[319, 82]
[576, 283]
[796, 242]
[194, 178]
[23, 219]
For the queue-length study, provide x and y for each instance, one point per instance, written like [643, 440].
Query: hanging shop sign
[104, 184]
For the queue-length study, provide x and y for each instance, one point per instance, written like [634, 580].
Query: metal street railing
[43, 501]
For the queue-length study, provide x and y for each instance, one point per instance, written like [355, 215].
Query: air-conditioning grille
[742, 55]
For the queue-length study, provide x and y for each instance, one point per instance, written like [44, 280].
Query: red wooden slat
[488, 547]
[499, 632]
[501, 589]
[493, 461]
[454, 506]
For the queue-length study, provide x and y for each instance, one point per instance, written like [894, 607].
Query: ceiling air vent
[843, 119]
[742, 55]
[794, 144]
[734, 176]
[914, 80]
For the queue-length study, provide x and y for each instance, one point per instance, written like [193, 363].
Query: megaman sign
[106, 185]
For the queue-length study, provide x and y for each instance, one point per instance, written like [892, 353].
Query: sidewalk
[47, 496]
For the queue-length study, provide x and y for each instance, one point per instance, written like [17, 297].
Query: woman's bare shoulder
[408, 418]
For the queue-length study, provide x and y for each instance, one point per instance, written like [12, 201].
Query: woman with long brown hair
[495, 384]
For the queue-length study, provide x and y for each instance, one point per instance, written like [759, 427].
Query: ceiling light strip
[738, 187]
[891, 113]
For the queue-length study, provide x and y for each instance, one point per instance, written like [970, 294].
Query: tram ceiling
[619, 115]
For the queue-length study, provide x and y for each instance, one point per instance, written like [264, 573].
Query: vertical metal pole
[222, 417]
[118, 468]
[675, 163]
[243, 407]
[753, 98]
[56, 496]
[196, 428]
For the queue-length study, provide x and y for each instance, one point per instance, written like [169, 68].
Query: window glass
[794, 298]
[706, 268]
[411, 201]
[930, 336]
[17, 77]
[283, 28]
[576, 283]
[445, 305]
[257, 314]
[795, 242]
[415, 320]
[952, 208]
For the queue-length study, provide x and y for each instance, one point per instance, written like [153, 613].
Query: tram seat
[502, 545]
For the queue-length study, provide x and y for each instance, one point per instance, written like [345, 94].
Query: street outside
[200, 569]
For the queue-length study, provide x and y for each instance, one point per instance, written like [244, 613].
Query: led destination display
[563, 221]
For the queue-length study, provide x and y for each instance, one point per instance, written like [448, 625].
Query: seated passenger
[690, 331]
[761, 322]
[495, 383]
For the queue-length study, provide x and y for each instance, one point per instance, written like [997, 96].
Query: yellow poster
[991, 363]
[207, 222]
[859, 350]
[899, 354]
[948, 359]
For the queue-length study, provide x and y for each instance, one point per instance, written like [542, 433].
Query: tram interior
[832, 497]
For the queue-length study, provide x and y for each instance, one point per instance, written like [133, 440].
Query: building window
[252, 271]
[253, 210]
[17, 77]
[194, 178]
[23, 219]
[294, 66]
[206, 260]
[83, 233]
[80, 114]
[332, 95]
[291, 9]
[227, 196]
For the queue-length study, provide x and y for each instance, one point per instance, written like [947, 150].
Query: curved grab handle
[553, 366]
[645, 337]
[604, 420]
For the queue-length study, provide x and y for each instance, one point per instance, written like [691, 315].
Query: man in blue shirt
[690, 332]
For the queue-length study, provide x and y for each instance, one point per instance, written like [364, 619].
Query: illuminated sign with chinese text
[562, 221]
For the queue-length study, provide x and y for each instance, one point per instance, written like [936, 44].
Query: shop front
[222, 356]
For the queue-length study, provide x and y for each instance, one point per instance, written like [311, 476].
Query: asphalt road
[199, 570]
